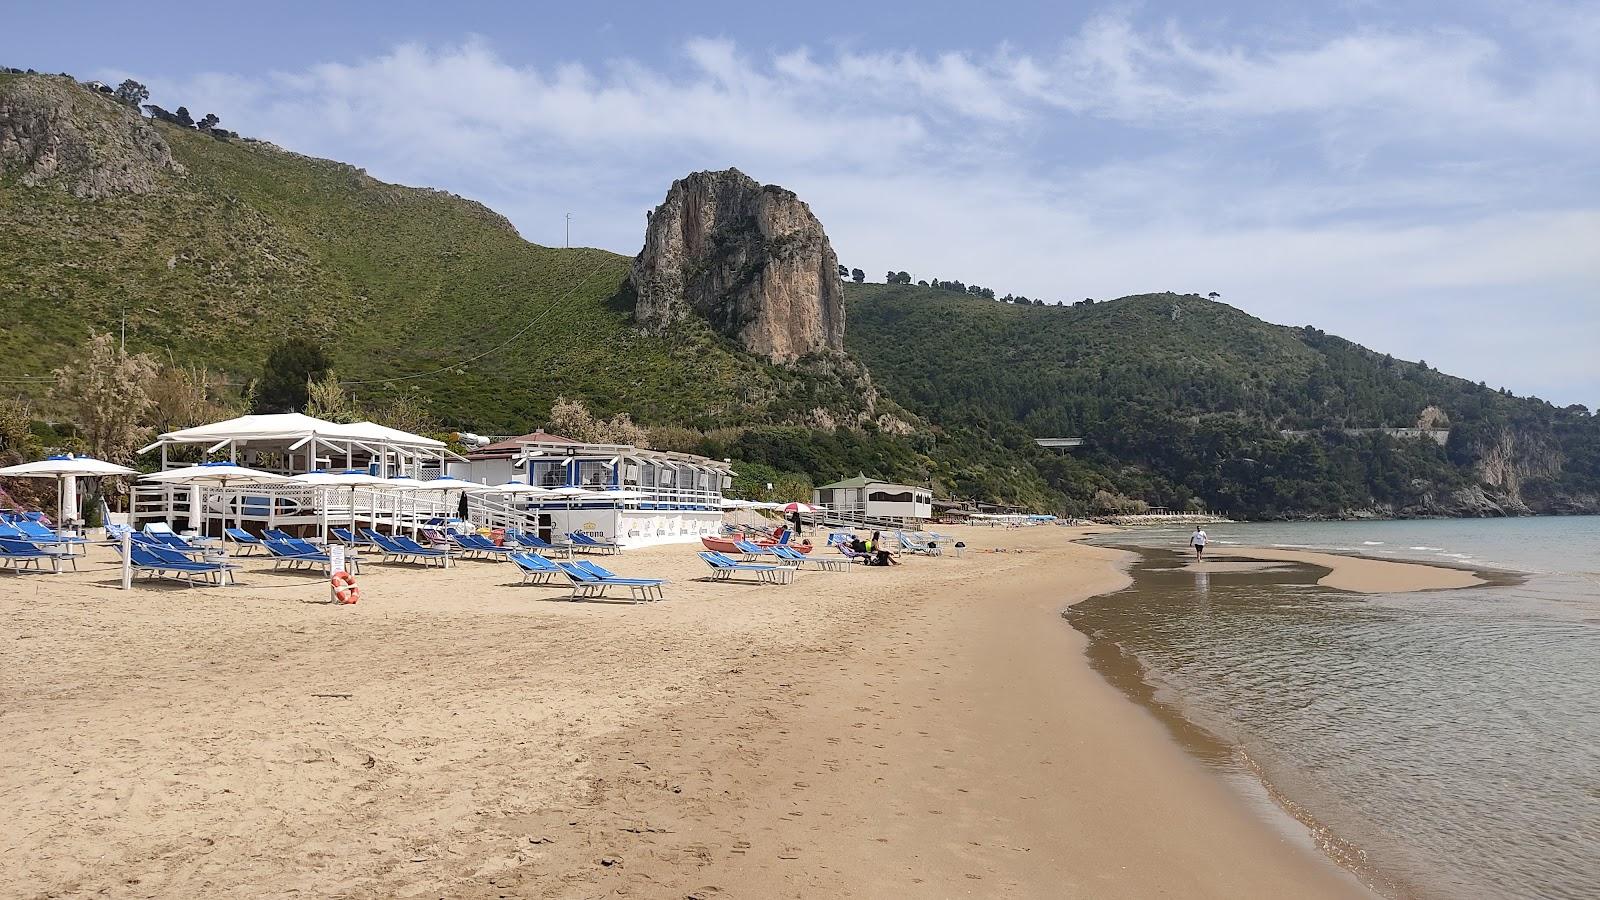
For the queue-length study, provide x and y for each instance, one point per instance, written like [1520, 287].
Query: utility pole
[568, 241]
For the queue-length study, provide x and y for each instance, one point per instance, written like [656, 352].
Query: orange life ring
[344, 588]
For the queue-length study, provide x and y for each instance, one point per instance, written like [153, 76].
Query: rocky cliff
[749, 258]
[54, 132]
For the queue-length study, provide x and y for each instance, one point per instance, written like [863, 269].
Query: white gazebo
[287, 444]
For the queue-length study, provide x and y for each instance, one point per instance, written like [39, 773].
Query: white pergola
[287, 444]
[295, 443]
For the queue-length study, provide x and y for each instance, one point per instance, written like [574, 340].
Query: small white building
[868, 498]
[636, 497]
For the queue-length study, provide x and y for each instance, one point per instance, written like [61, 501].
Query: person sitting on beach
[1198, 541]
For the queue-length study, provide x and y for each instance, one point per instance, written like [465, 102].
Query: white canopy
[518, 488]
[216, 473]
[350, 478]
[293, 427]
[455, 484]
[65, 466]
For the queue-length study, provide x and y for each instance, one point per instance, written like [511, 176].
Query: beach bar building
[618, 492]
[290, 444]
[866, 499]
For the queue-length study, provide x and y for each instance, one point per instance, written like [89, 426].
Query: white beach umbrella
[455, 484]
[447, 484]
[798, 508]
[61, 467]
[570, 494]
[347, 478]
[405, 484]
[221, 474]
[517, 489]
[731, 503]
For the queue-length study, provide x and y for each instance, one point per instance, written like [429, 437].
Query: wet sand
[1351, 573]
[926, 730]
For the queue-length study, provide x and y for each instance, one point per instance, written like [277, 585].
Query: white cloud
[1310, 180]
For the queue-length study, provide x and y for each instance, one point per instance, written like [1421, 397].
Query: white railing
[856, 517]
[272, 507]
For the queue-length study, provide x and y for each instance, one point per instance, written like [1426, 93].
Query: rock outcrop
[749, 258]
[52, 130]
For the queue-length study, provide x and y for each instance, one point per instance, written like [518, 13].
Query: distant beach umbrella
[516, 489]
[350, 478]
[61, 467]
[221, 474]
[455, 484]
[797, 508]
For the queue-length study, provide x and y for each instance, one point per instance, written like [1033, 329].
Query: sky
[1418, 177]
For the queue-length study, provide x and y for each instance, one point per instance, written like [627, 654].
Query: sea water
[1440, 744]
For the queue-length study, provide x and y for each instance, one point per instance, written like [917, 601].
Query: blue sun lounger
[18, 554]
[482, 546]
[724, 567]
[589, 585]
[538, 544]
[245, 541]
[587, 544]
[535, 569]
[36, 532]
[296, 554]
[158, 562]
[911, 546]
[649, 586]
[349, 539]
[398, 551]
[753, 552]
[789, 555]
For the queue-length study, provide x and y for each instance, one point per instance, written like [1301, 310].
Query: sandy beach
[926, 730]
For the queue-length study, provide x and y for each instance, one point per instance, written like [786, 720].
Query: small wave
[1427, 548]
[1293, 546]
[1372, 543]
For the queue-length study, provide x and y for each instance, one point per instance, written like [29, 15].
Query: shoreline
[1356, 573]
[910, 731]
[1349, 572]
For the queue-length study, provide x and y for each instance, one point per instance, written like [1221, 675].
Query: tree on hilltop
[291, 364]
[131, 93]
[857, 276]
[184, 118]
[209, 122]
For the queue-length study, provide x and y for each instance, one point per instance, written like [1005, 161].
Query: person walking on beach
[1198, 541]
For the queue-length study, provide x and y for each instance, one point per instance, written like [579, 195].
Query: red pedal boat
[725, 544]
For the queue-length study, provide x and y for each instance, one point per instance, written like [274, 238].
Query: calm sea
[1440, 744]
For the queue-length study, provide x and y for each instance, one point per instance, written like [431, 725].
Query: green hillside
[254, 243]
[1182, 401]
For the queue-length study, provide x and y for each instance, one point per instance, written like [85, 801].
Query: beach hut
[870, 499]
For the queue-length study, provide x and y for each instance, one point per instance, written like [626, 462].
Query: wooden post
[127, 557]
